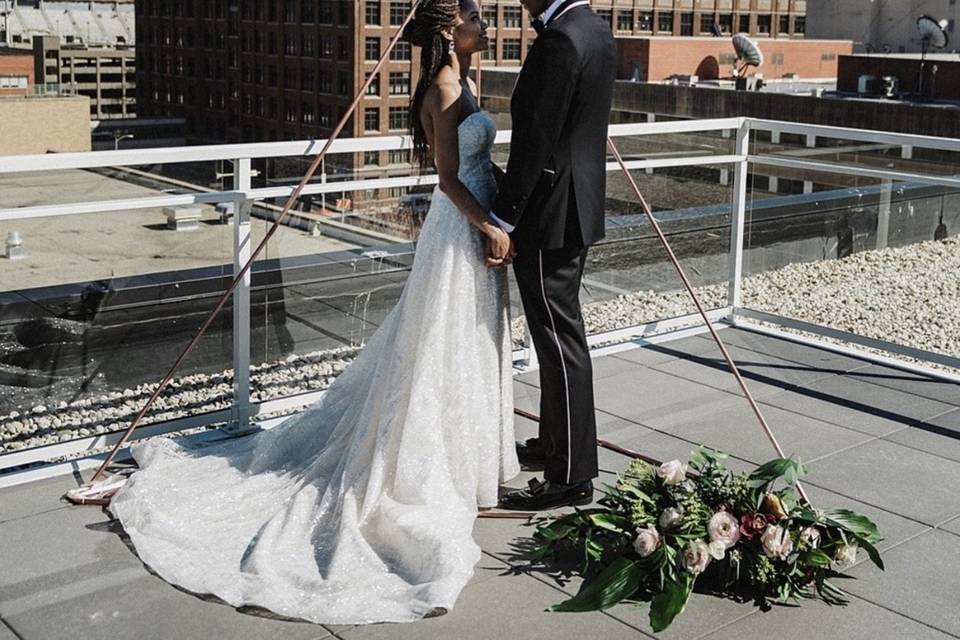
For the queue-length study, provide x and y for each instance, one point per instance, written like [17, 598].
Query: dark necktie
[538, 25]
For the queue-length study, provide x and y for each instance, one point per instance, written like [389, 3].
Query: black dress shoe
[547, 495]
[531, 455]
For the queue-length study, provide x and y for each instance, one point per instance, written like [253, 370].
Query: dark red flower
[752, 524]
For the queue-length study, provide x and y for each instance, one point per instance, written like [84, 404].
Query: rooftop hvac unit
[890, 85]
[868, 85]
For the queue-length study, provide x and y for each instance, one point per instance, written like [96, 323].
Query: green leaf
[770, 471]
[873, 553]
[858, 524]
[610, 522]
[670, 602]
[817, 558]
[618, 581]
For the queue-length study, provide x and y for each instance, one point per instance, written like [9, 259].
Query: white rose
[673, 472]
[696, 557]
[646, 542]
[776, 542]
[723, 527]
[810, 537]
[670, 518]
[717, 549]
[845, 556]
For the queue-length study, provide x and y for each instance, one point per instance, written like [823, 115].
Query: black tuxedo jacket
[554, 189]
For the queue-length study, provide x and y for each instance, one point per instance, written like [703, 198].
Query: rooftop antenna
[748, 53]
[933, 34]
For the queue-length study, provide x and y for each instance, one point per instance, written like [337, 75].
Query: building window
[512, 16]
[372, 13]
[400, 156]
[686, 24]
[371, 158]
[399, 118]
[307, 114]
[490, 16]
[491, 52]
[607, 15]
[371, 119]
[326, 46]
[399, 83]
[325, 12]
[706, 24]
[645, 21]
[372, 49]
[13, 82]
[764, 24]
[374, 88]
[398, 13]
[665, 22]
[625, 20]
[800, 25]
[401, 51]
[511, 49]
[744, 23]
[784, 25]
[726, 22]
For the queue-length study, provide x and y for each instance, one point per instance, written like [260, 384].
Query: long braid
[424, 31]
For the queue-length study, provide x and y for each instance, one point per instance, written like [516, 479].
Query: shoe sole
[578, 502]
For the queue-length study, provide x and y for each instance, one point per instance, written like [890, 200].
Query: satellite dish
[716, 30]
[748, 52]
[932, 34]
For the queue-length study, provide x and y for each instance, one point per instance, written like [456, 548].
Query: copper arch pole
[263, 243]
[703, 314]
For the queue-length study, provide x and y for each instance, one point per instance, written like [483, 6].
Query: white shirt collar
[552, 9]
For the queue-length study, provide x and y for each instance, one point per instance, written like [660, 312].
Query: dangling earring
[452, 48]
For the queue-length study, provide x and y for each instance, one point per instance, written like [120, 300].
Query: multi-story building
[881, 27]
[280, 69]
[16, 72]
[682, 18]
[107, 75]
[102, 23]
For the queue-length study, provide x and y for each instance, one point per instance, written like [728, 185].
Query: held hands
[500, 248]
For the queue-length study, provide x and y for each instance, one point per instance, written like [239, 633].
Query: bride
[361, 508]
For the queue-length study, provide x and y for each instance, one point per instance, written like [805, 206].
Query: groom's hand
[499, 247]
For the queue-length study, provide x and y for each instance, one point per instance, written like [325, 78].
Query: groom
[551, 201]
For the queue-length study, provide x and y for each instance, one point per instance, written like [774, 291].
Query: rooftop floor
[876, 439]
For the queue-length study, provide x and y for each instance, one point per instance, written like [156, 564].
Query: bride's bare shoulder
[443, 92]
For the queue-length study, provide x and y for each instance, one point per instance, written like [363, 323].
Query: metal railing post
[241, 301]
[738, 220]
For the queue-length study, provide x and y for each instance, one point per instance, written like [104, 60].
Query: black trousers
[549, 282]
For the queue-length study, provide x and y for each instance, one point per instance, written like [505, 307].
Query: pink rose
[670, 518]
[696, 557]
[776, 542]
[723, 527]
[673, 472]
[646, 542]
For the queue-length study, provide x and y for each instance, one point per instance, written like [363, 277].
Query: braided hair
[424, 31]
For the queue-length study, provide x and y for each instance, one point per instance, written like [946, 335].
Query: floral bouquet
[661, 530]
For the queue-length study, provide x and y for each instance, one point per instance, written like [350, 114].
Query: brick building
[653, 59]
[279, 69]
[16, 72]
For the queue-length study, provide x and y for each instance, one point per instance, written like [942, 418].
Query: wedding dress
[361, 508]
